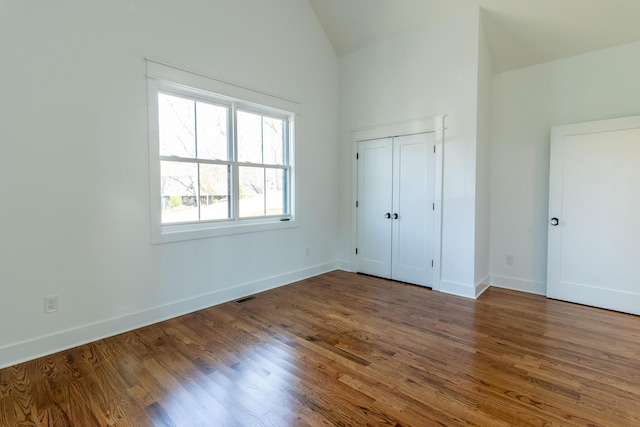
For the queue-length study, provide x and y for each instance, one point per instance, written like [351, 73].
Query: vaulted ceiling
[520, 33]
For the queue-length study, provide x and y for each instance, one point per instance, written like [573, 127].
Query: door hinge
[433, 207]
[356, 251]
[431, 263]
[357, 156]
[434, 148]
[356, 203]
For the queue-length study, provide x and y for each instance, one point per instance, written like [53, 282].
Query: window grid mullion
[231, 174]
[235, 181]
[195, 140]
[264, 186]
[195, 126]
[262, 138]
[285, 192]
[286, 152]
[285, 138]
[198, 195]
[190, 160]
[262, 165]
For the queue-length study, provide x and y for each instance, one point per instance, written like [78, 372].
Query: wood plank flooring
[346, 350]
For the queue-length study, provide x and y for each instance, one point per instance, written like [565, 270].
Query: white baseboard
[345, 265]
[463, 289]
[42, 346]
[482, 285]
[459, 289]
[529, 286]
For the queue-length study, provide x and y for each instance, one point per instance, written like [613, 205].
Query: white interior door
[594, 212]
[374, 206]
[413, 209]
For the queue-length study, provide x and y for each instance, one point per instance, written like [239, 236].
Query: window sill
[181, 232]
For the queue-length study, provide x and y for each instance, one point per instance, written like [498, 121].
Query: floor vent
[245, 299]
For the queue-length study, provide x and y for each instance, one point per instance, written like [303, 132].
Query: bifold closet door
[413, 197]
[374, 206]
[395, 208]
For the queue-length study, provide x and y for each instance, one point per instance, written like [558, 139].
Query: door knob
[554, 221]
[387, 215]
[395, 216]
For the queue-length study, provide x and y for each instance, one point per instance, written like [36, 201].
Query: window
[219, 165]
[195, 170]
[262, 160]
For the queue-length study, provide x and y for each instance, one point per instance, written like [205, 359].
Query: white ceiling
[520, 33]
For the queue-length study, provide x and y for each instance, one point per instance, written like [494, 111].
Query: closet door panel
[412, 216]
[374, 203]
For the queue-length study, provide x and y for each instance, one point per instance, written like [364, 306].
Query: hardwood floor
[346, 350]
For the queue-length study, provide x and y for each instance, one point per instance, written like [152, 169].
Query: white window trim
[161, 76]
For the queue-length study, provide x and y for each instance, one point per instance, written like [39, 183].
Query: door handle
[395, 216]
[554, 221]
[387, 215]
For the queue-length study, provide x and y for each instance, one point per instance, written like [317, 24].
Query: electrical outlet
[508, 259]
[51, 304]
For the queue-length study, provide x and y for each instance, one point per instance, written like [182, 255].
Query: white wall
[426, 72]
[526, 104]
[74, 162]
[483, 165]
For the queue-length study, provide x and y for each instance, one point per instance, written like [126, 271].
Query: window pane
[249, 137]
[178, 188]
[177, 126]
[275, 187]
[273, 137]
[214, 192]
[212, 131]
[251, 192]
